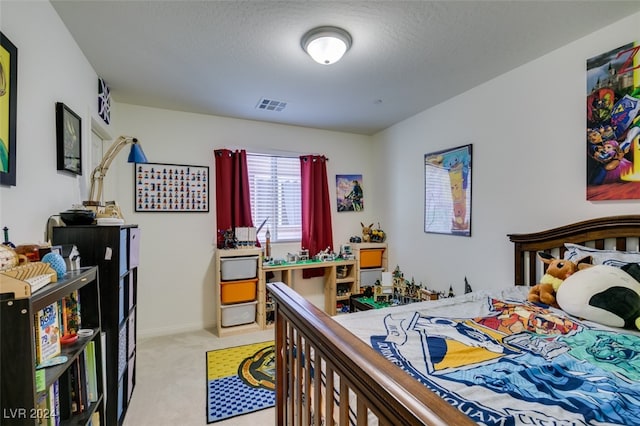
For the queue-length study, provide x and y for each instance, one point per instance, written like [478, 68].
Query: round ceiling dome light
[326, 45]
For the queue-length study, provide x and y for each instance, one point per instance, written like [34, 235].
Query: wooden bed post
[281, 371]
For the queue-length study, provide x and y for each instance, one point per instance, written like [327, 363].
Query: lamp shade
[136, 155]
[326, 45]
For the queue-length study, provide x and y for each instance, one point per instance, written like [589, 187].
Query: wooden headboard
[613, 232]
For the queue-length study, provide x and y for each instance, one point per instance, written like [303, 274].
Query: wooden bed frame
[380, 387]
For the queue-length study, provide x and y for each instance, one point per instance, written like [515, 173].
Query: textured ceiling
[223, 57]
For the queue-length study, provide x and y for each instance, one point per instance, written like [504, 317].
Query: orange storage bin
[238, 291]
[371, 258]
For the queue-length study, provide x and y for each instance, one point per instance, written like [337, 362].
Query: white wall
[175, 281]
[51, 68]
[176, 273]
[527, 128]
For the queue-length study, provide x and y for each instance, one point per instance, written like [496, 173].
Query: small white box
[369, 277]
[238, 268]
[240, 313]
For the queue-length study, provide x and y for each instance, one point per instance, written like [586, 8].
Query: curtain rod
[262, 154]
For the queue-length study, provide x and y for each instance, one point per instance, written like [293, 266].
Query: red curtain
[233, 205]
[317, 234]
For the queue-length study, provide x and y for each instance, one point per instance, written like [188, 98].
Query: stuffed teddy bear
[604, 294]
[557, 271]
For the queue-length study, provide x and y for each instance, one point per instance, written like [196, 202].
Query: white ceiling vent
[271, 105]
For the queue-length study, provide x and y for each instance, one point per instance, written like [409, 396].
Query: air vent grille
[271, 105]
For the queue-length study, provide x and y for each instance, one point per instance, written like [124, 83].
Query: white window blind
[274, 182]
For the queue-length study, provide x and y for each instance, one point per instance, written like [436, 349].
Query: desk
[345, 285]
[360, 302]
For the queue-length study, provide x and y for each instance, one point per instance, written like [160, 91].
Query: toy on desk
[451, 293]
[24, 280]
[6, 238]
[56, 262]
[9, 258]
[325, 255]
[366, 232]
[406, 291]
[346, 252]
[467, 287]
[303, 254]
[246, 236]
[227, 239]
[377, 235]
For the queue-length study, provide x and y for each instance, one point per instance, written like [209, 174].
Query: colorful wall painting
[8, 110]
[349, 192]
[613, 124]
[447, 191]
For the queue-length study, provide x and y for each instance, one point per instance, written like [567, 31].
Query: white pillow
[615, 258]
[604, 294]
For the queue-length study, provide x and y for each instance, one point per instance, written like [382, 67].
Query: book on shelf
[71, 313]
[91, 371]
[42, 409]
[65, 395]
[47, 333]
[54, 404]
[73, 390]
[81, 385]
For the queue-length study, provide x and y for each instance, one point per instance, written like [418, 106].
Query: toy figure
[604, 294]
[557, 271]
[366, 233]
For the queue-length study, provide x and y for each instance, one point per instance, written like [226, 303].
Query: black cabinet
[115, 250]
[23, 388]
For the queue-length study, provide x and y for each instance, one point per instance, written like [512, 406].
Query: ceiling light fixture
[326, 45]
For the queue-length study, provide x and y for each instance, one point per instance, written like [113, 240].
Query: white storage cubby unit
[371, 261]
[239, 291]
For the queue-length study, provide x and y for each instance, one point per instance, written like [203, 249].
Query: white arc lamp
[326, 45]
[136, 155]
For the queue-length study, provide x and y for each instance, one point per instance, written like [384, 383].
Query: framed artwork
[69, 139]
[171, 188]
[349, 193]
[8, 110]
[613, 124]
[447, 191]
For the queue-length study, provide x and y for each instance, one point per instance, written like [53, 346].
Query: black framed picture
[69, 139]
[8, 110]
[163, 187]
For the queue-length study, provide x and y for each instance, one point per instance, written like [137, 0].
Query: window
[274, 183]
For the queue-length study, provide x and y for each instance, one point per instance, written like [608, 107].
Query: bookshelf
[115, 251]
[26, 392]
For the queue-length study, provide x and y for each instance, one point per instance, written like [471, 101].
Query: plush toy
[366, 232]
[557, 271]
[604, 294]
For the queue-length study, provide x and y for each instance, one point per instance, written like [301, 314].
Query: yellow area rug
[240, 380]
